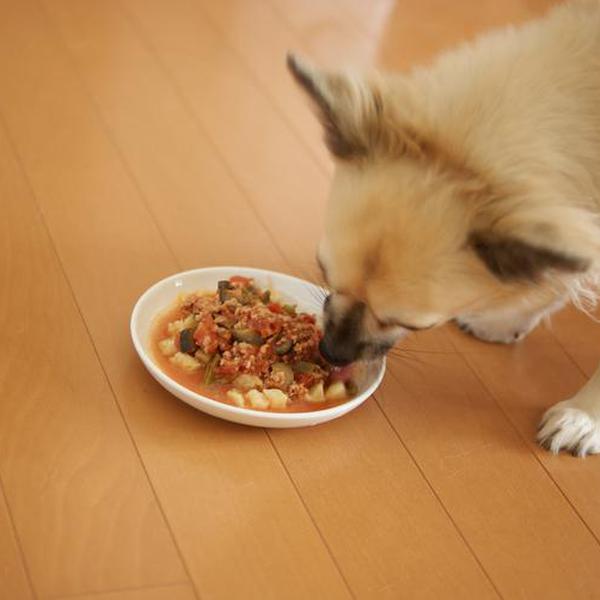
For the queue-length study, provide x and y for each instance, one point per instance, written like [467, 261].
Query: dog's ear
[349, 107]
[512, 259]
[521, 247]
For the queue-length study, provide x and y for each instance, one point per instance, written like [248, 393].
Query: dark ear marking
[511, 259]
[340, 144]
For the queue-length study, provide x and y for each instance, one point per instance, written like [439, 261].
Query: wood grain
[13, 577]
[72, 23]
[148, 136]
[467, 449]
[222, 512]
[82, 506]
[173, 592]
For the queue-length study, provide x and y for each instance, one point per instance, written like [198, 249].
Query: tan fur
[469, 190]
[499, 136]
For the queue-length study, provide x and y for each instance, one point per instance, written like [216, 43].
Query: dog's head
[414, 235]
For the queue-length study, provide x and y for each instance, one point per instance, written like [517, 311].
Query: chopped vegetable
[283, 347]
[236, 397]
[277, 398]
[185, 361]
[167, 346]
[336, 391]
[290, 309]
[257, 399]
[316, 393]
[285, 371]
[202, 356]
[304, 367]
[209, 371]
[250, 348]
[351, 387]
[181, 324]
[186, 341]
[247, 382]
[223, 288]
[250, 336]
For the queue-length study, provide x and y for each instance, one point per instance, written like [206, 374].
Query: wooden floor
[143, 137]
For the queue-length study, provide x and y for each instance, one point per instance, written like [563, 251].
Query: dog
[467, 191]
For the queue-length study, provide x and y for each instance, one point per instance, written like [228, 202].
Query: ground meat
[247, 333]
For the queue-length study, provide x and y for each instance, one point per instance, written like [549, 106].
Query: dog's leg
[508, 325]
[574, 424]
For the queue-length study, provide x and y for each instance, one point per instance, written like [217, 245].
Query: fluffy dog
[467, 191]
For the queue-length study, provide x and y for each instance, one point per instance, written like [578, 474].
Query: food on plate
[241, 345]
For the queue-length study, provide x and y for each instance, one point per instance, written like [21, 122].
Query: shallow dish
[308, 297]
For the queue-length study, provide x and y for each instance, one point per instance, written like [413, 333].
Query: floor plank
[178, 592]
[526, 380]
[489, 482]
[183, 184]
[83, 509]
[282, 180]
[380, 518]
[13, 576]
[205, 484]
[261, 40]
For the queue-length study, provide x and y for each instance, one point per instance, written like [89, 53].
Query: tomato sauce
[194, 381]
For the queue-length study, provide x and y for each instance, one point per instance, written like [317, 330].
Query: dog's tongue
[341, 373]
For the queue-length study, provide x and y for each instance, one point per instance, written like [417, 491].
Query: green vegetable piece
[351, 388]
[304, 367]
[246, 296]
[266, 297]
[186, 341]
[290, 309]
[209, 371]
[285, 370]
[250, 336]
[283, 347]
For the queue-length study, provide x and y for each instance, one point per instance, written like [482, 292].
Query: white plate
[307, 296]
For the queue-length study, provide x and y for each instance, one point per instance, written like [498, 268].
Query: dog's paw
[565, 426]
[492, 331]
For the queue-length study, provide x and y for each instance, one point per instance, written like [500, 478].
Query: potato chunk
[277, 398]
[336, 391]
[245, 382]
[257, 399]
[237, 398]
[185, 361]
[316, 393]
[167, 346]
[176, 327]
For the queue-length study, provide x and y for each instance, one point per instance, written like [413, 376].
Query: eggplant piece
[250, 336]
[283, 347]
[305, 367]
[266, 297]
[186, 341]
[223, 288]
[290, 309]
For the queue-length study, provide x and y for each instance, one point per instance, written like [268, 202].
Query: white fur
[574, 424]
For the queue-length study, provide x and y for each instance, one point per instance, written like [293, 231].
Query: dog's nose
[337, 355]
